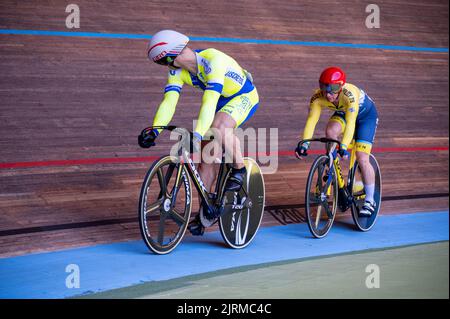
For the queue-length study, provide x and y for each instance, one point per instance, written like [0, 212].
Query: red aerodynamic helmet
[332, 79]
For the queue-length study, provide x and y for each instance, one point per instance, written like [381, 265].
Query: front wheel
[238, 225]
[321, 197]
[364, 223]
[165, 205]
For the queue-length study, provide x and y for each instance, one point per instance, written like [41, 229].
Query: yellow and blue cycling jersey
[355, 111]
[227, 88]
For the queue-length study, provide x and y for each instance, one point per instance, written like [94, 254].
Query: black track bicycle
[326, 190]
[166, 199]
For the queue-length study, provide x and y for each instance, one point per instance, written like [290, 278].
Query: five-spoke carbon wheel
[165, 205]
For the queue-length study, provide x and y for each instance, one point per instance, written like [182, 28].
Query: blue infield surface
[110, 266]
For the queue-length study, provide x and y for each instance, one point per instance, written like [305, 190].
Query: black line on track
[30, 230]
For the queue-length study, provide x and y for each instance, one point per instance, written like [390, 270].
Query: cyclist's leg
[364, 136]
[367, 172]
[207, 167]
[230, 114]
[208, 172]
[335, 128]
[336, 125]
[368, 177]
[238, 110]
[222, 127]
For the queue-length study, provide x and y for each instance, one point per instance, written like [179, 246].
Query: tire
[163, 222]
[364, 223]
[320, 213]
[239, 226]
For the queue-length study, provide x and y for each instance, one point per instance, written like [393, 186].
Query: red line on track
[88, 161]
[121, 160]
[379, 150]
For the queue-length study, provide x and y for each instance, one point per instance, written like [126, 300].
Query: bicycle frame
[198, 182]
[335, 162]
[185, 157]
[337, 165]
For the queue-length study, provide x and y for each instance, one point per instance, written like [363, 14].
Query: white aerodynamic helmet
[165, 46]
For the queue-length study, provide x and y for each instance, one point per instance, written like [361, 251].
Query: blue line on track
[110, 266]
[229, 40]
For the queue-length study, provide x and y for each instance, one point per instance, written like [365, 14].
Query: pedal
[195, 227]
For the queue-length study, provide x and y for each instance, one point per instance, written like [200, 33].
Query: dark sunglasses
[330, 88]
[167, 60]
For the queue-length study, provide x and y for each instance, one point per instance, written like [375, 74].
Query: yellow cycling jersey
[353, 101]
[219, 75]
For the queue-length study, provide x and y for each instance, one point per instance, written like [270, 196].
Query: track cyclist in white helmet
[229, 100]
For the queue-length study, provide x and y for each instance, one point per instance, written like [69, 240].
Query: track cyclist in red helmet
[229, 100]
[355, 117]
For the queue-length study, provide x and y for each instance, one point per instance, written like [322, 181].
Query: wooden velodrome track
[83, 100]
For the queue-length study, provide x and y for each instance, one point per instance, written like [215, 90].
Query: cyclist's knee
[223, 121]
[218, 130]
[363, 158]
[333, 130]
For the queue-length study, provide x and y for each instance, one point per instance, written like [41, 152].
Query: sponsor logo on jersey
[315, 97]
[245, 105]
[206, 66]
[234, 76]
[350, 95]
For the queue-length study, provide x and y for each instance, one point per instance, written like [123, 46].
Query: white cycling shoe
[368, 209]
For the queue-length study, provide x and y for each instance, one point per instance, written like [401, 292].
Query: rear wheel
[364, 223]
[238, 225]
[165, 205]
[321, 197]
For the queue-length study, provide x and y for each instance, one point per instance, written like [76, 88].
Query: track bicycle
[166, 200]
[326, 190]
